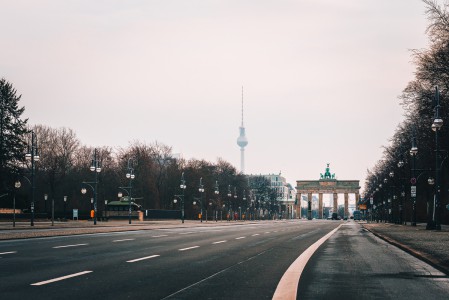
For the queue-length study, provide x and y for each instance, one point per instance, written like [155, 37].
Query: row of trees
[390, 180]
[64, 164]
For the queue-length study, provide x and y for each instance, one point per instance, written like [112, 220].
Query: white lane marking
[287, 287]
[124, 240]
[256, 234]
[161, 235]
[187, 232]
[219, 242]
[61, 278]
[142, 258]
[213, 275]
[11, 252]
[189, 248]
[67, 246]
[267, 232]
[239, 238]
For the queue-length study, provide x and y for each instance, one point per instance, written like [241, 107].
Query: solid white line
[115, 241]
[219, 242]
[11, 252]
[184, 249]
[287, 287]
[156, 236]
[61, 278]
[256, 234]
[239, 238]
[142, 258]
[66, 246]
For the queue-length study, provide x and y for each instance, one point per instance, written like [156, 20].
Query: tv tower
[242, 141]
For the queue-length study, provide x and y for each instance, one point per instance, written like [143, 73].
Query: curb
[418, 254]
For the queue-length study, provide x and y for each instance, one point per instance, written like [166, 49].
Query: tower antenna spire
[242, 141]
[242, 106]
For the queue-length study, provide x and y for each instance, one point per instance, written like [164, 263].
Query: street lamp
[182, 186]
[229, 203]
[436, 126]
[413, 153]
[17, 185]
[65, 202]
[33, 156]
[95, 167]
[130, 175]
[216, 192]
[201, 190]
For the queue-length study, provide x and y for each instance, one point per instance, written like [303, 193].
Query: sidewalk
[430, 246]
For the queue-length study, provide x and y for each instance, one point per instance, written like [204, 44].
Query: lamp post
[130, 175]
[436, 126]
[401, 203]
[65, 202]
[182, 186]
[216, 192]
[33, 156]
[235, 197]
[17, 185]
[229, 203]
[244, 202]
[201, 190]
[95, 167]
[413, 153]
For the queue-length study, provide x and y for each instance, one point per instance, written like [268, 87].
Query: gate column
[309, 206]
[346, 205]
[320, 205]
[335, 208]
[298, 205]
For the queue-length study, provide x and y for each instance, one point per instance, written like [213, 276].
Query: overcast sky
[321, 77]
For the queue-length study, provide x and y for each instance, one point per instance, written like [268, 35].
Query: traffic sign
[413, 180]
[413, 190]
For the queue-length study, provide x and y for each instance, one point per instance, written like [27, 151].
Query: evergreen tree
[12, 135]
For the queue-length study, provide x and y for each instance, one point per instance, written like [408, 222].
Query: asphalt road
[220, 262]
[216, 262]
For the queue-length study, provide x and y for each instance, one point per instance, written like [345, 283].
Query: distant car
[335, 216]
[357, 215]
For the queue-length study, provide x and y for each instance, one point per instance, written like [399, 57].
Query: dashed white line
[267, 232]
[124, 240]
[61, 278]
[239, 238]
[256, 234]
[67, 246]
[142, 258]
[219, 242]
[161, 235]
[189, 248]
[10, 252]
[187, 232]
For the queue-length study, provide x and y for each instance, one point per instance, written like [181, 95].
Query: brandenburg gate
[326, 185]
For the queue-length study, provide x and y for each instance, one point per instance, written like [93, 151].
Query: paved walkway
[431, 246]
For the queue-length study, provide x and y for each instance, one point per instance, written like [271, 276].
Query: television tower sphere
[242, 141]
